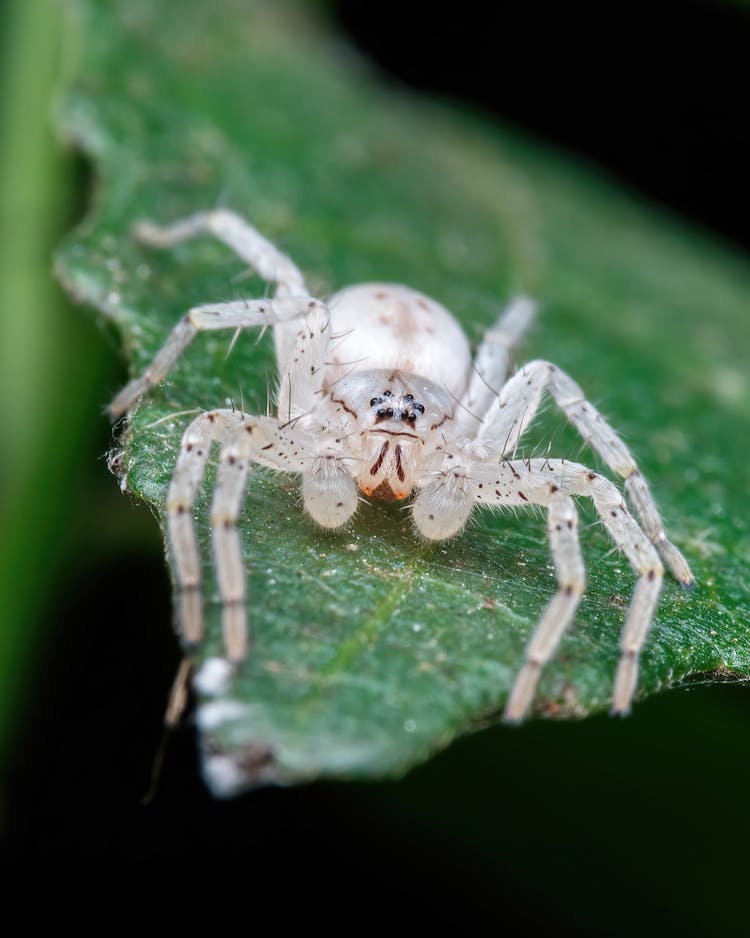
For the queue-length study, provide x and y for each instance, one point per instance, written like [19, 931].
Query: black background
[602, 827]
[656, 92]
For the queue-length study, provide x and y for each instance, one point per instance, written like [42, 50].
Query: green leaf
[371, 649]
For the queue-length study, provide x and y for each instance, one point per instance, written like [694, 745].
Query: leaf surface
[372, 649]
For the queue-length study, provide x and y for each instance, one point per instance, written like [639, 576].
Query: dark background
[655, 93]
[600, 827]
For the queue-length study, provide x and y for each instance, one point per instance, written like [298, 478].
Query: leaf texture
[370, 648]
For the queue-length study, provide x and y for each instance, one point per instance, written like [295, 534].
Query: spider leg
[445, 501]
[443, 506]
[211, 317]
[644, 559]
[329, 493]
[250, 246]
[229, 494]
[491, 363]
[183, 489]
[291, 300]
[562, 523]
[517, 405]
[244, 439]
[247, 243]
[302, 375]
[627, 534]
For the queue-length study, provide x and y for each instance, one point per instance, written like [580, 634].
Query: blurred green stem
[46, 364]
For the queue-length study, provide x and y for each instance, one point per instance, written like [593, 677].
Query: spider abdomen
[389, 326]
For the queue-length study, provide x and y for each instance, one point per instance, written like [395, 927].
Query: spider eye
[387, 393]
[385, 413]
[409, 398]
[412, 418]
[419, 407]
[374, 401]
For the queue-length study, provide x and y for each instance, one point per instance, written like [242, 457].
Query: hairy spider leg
[516, 407]
[244, 439]
[491, 363]
[240, 236]
[516, 483]
[212, 317]
[260, 254]
[562, 530]
[291, 301]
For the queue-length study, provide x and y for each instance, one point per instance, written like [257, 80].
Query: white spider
[378, 392]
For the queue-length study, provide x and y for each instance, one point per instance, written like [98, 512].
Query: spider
[378, 394]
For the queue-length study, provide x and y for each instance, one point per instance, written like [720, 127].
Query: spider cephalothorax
[387, 434]
[378, 393]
